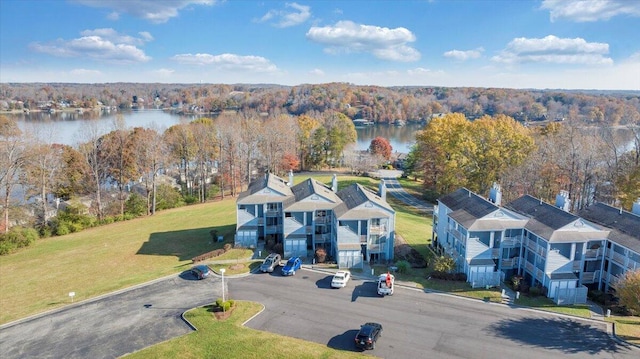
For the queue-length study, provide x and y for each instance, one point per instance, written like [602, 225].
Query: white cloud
[112, 35]
[283, 18]
[316, 72]
[154, 11]
[382, 42]
[590, 10]
[114, 16]
[99, 44]
[460, 55]
[227, 61]
[552, 49]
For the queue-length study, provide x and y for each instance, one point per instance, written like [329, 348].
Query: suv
[270, 263]
[367, 336]
[201, 271]
[293, 264]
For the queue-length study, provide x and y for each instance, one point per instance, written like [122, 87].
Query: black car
[367, 336]
[201, 271]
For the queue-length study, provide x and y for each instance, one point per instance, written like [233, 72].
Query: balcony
[509, 263]
[594, 253]
[322, 220]
[495, 253]
[377, 230]
[590, 277]
[511, 242]
[576, 266]
[272, 213]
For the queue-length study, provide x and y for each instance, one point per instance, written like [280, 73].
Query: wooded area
[530, 142]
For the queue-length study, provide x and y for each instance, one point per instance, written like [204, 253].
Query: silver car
[270, 263]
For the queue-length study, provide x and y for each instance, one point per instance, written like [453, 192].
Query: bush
[321, 255]
[403, 266]
[226, 306]
[188, 199]
[17, 237]
[168, 197]
[460, 277]
[62, 228]
[219, 302]
[136, 205]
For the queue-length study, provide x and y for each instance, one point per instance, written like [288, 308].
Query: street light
[222, 271]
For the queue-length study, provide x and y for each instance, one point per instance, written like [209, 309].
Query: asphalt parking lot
[416, 324]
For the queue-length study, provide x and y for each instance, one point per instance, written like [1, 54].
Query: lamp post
[222, 271]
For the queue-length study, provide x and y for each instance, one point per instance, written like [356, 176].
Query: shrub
[403, 266]
[135, 206]
[168, 197]
[219, 302]
[226, 306]
[188, 199]
[62, 228]
[535, 291]
[321, 255]
[17, 237]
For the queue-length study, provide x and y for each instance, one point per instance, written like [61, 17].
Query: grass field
[228, 339]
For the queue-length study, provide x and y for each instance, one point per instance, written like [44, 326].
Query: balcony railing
[619, 258]
[378, 229]
[593, 253]
[272, 213]
[273, 229]
[509, 263]
[495, 253]
[511, 242]
[322, 220]
[590, 277]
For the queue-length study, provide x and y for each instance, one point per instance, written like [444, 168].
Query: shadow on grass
[186, 244]
[565, 335]
[344, 341]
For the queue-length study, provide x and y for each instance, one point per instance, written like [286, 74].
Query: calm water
[69, 128]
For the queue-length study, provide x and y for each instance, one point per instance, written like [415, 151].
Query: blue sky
[560, 44]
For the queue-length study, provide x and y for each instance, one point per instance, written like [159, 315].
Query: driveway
[113, 325]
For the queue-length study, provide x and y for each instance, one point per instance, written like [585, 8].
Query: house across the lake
[561, 253]
[352, 225]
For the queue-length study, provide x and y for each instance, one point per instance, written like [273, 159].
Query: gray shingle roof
[356, 195]
[277, 185]
[545, 218]
[625, 226]
[467, 207]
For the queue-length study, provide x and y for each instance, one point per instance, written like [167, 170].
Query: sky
[524, 44]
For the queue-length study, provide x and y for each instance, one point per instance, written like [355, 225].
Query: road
[112, 325]
[304, 306]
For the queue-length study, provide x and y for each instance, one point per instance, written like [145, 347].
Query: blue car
[293, 264]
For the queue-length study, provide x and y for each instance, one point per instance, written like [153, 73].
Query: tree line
[130, 172]
[381, 105]
[590, 163]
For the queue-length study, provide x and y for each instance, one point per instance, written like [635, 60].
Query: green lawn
[104, 259]
[228, 339]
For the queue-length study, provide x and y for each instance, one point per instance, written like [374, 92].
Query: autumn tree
[181, 147]
[206, 144]
[117, 152]
[340, 133]
[92, 152]
[381, 147]
[454, 152]
[41, 172]
[150, 154]
[306, 127]
[628, 290]
[13, 155]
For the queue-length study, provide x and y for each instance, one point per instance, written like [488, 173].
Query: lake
[67, 127]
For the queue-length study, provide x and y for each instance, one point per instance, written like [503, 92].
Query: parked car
[340, 279]
[201, 271]
[270, 263]
[386, 284]
[368, 335]
[293, 264]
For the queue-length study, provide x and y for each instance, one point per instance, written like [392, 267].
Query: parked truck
[385, 284]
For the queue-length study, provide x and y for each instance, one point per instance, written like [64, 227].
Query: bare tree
[92, 149]
[13, 155]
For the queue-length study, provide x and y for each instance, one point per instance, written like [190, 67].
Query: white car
[340, 279]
